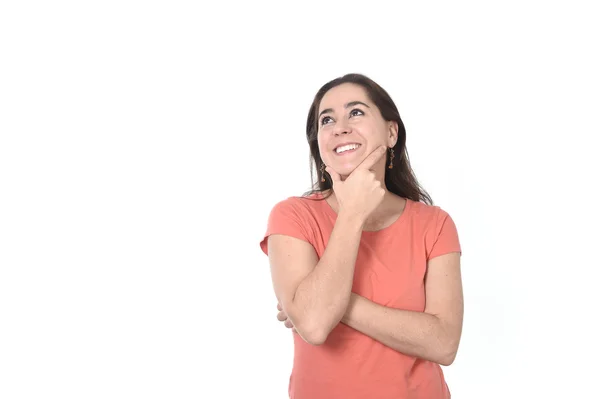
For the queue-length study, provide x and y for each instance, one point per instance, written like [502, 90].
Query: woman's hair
[399, 180]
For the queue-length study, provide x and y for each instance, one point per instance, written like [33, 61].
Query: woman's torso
[390, 271]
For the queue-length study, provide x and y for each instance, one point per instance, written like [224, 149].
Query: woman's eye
[356, 112]
[324, 120]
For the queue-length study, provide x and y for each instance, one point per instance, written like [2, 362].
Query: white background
[143, 145]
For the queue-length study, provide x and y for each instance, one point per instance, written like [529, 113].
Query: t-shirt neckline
[399, 220]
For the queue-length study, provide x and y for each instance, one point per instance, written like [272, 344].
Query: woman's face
[350, 128]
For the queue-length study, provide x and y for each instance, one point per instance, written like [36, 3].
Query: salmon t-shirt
[390, 270]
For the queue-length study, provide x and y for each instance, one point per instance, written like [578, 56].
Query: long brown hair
[399, 180]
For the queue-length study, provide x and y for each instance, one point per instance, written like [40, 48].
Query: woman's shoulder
[299, 200]
[426, 214]
[301, 204]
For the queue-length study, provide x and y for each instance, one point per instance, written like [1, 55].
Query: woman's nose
[341, 127]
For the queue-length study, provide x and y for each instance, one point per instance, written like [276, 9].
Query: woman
[366, 270]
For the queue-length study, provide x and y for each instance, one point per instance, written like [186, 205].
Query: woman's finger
[281, 316]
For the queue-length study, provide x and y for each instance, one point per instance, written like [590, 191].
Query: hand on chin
[345, 171]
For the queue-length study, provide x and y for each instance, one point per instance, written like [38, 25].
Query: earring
[392, 155]
[323, 172]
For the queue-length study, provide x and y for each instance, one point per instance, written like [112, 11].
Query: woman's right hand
[360, 193]
[282, 316]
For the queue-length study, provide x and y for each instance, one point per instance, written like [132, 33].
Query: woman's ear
[393, 133]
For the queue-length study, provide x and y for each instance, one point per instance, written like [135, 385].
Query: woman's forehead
[343, 94]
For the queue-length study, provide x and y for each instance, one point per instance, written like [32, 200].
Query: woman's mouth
[347, 149]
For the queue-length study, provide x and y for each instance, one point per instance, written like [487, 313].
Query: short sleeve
[444, 236]
[286, 218]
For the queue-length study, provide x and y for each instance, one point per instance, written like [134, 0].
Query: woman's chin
[345, 172]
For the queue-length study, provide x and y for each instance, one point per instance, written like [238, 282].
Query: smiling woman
[365, 268]
[368, 117]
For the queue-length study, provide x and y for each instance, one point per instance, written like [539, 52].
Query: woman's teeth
[345, 148]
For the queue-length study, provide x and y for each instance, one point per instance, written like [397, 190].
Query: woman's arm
[315, 293]
[433, 335]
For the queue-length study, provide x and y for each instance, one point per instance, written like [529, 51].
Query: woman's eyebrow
[350, 104]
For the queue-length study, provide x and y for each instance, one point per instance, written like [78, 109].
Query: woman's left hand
[282, 316]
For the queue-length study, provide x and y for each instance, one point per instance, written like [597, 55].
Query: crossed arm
[433, 334]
